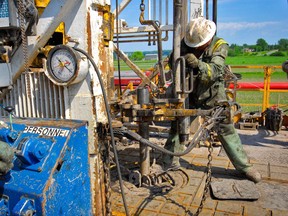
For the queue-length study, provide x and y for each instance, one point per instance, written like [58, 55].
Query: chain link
[209, 176]
[21, 12]
[142, 6]
[142, 9]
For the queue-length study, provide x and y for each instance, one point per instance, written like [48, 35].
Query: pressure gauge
[65, 65]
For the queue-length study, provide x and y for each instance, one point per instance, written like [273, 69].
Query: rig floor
[268, 152]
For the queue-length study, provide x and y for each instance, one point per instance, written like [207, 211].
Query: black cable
[110, 124]
[191, 145]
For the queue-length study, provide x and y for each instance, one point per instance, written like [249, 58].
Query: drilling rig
[60, 111]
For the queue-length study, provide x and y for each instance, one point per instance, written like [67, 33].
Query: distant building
[248, 50]
[151, 57]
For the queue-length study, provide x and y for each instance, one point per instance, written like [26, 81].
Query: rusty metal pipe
[156, 26]
[176, 43]
[134, 36]
[135, 68]
[142, 99]
[141, 36]
[178, 34]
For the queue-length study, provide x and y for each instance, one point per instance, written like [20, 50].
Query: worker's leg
[172, 144]
[231, 142]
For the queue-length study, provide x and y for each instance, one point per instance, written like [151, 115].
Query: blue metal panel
[51, 169]
[4, 9]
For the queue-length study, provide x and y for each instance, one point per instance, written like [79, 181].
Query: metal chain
[142, 9]
[21, 12]
[142, 5]
[106, 167]
[209, 176]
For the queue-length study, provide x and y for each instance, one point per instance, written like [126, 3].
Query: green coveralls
[208, 89]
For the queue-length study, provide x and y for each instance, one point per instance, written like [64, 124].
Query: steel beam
[122, 6]
[134, 67]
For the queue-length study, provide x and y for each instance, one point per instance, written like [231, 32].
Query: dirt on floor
[266, 146]
[181, 191]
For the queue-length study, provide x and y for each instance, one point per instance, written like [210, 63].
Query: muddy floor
[180, 192]
[266, 146]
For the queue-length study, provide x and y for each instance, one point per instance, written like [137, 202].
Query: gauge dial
[62, 63]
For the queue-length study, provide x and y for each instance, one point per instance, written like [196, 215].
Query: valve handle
[9, 109]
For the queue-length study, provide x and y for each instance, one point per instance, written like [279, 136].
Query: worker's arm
[215, 68]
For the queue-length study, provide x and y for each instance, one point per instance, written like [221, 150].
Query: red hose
[259, 85]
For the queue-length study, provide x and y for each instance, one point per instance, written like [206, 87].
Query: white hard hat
[199, 31]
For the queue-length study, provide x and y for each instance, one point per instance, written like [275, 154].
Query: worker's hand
[6, 158]
[191, 60]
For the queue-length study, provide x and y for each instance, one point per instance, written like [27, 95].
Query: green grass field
[257, 75]
[239, 60]
[256, 60]
[248, 75]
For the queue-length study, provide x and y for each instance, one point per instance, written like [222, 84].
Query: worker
[205, 54]
[6, 158]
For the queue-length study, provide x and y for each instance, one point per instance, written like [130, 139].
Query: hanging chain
[21, 12]
[142, 9]
[209, 176]
[107, 178]
[142, 6]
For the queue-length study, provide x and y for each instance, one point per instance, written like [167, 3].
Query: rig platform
[267, 151]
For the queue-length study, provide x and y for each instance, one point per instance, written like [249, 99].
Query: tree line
[279, 49]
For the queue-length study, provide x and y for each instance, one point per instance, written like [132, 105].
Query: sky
[238, 21]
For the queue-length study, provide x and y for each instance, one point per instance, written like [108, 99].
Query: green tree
[234, 50]
[261, 44]
[137, 55]
[283, 44]
[278, 53]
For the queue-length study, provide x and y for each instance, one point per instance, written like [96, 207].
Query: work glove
[191, 60]
[6, 158]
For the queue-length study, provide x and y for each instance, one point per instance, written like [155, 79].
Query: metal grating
[34, 95]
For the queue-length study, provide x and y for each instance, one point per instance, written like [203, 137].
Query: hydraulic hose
[110, 124]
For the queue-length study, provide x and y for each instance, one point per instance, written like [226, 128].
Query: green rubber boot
[233, 147]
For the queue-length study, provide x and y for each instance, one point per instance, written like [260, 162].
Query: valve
[32, 150]
[9, 109]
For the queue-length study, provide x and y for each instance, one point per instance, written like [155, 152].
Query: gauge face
[62, 63]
